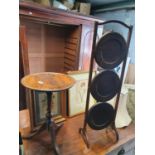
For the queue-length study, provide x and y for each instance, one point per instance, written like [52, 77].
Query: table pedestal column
[52, 127]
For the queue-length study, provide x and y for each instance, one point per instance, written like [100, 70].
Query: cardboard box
[43, 2]
[83, 8]
[68, 3]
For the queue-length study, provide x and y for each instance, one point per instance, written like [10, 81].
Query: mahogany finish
[71, 143]
[55, 33]
[24, 49]
[23, 67]
[55, 15]
[83, 130]
[48, 81]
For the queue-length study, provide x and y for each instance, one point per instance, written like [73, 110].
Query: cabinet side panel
[23, 67]
[86, 46]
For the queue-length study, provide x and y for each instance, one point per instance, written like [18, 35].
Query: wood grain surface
[70, 142]
[48, 81]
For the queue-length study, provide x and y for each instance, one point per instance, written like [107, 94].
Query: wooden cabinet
[52, 47]
[57, 40]
[23, 66]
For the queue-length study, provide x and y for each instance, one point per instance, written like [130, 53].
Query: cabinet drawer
[126, 149]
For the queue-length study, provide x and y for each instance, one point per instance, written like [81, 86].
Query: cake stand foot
[84, 137]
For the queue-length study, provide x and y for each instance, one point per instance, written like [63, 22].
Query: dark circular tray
[105, 85]
[100, 116]
[110, 50]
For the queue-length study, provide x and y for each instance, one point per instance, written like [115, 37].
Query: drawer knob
[121, 152]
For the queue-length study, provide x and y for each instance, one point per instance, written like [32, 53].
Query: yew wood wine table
[49, 82]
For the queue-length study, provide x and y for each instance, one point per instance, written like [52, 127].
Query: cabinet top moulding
[32, 10]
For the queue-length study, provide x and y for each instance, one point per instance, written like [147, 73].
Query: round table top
[47, 81]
